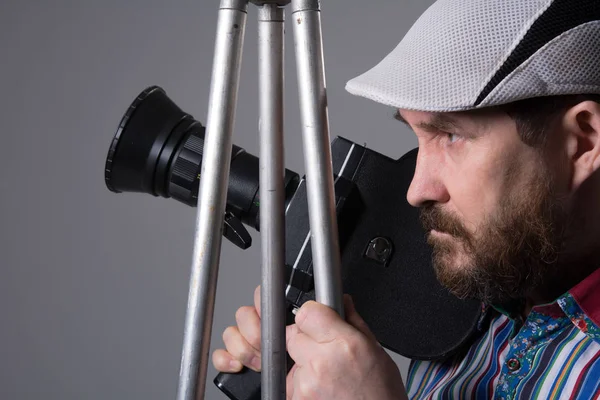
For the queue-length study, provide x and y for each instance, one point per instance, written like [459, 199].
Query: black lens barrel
[158, 150]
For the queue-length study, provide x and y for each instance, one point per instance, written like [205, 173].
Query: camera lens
[157, 149]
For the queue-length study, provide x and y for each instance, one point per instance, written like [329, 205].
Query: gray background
[94, 284]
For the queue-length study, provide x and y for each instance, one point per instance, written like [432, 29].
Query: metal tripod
[215, 175]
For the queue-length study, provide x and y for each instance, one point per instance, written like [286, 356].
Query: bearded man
[504, 98]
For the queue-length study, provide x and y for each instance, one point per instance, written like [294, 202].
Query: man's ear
[582, 126]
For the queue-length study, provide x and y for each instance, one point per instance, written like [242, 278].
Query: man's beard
[515, 251]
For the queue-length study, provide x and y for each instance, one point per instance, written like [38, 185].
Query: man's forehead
[446, 120]
[430, 120]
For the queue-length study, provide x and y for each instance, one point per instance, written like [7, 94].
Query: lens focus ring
[185, 177]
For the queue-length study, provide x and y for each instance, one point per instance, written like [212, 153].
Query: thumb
[354, 319]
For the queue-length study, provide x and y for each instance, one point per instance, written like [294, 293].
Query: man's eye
[452, 137]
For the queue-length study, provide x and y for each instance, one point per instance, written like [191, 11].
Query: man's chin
[457, 280]
[453, 265]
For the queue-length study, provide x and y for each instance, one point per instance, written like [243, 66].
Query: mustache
[432, 217]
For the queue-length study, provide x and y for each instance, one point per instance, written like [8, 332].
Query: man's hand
[334, 359]
[242, 341]
[337, 359]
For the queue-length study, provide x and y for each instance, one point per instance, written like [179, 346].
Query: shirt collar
[581, 304]
[587, 295]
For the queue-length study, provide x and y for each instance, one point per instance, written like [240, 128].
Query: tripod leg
[272, 201]
[317, 153]
[212, 199]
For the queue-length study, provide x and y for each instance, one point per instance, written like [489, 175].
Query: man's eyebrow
[438, 122]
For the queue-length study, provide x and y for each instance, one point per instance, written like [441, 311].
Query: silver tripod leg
[317, 153]
[212, 198]
[215, 176]
[272, 201]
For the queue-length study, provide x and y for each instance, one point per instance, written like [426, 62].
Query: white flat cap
[468, 54]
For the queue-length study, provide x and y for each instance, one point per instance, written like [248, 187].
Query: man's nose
[427, 184]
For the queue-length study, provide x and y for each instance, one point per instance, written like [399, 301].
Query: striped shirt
[553, 354]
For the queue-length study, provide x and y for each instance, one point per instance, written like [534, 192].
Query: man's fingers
[320, 322]
[290, 332]
[323, 324]
[248, 323]
[240, 349]
[299, 345]
[224, 362]
[257, 300]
